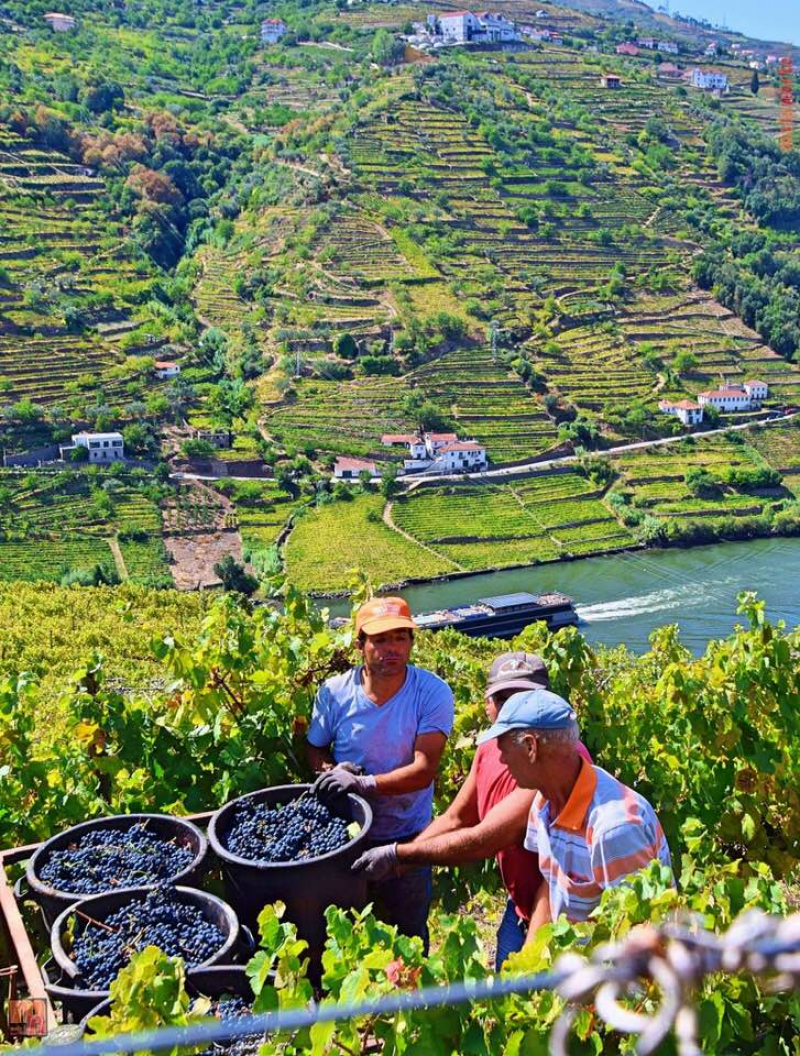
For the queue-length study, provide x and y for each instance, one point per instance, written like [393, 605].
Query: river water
[623, 597]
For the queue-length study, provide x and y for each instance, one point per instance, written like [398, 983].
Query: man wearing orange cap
[379, 730]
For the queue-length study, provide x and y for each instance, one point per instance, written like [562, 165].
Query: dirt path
[119, 560]
[388, 520]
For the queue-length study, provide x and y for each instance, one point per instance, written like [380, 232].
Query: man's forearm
[448, 848]
[411, 778]
[541, 911]
[440, 826]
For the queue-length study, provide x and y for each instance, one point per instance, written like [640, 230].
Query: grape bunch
[227, 1010]
[103, 859]
[178, 928]
[304, 828]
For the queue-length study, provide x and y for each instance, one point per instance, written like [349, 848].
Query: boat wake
[682, 597]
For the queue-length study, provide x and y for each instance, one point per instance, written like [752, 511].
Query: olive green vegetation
[170, 188]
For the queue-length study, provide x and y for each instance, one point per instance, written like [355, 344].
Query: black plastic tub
[307, 887]
[200, 982]
[65, 986]
[53, 900]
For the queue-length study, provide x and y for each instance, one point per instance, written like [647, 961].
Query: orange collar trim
[574, 812]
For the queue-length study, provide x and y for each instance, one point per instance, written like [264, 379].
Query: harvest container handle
[19, 894]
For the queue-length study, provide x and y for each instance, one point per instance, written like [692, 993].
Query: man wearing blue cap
[488, 818]
[589, 830]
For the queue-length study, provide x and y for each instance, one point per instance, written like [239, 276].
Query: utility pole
[493, 335]
[297, 362]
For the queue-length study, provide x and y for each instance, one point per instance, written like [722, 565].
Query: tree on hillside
[386, 48]
[755, 83]
[685, 361]
[102, 96]
[235, 577]
[424, 412]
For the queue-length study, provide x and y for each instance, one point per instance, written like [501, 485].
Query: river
[623, 597]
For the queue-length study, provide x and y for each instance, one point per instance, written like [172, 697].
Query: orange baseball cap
[383, 614]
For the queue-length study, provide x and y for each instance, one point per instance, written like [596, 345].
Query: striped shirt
[605, 832]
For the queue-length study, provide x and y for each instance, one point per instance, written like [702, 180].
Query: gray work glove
[340, 781]
[379, 863]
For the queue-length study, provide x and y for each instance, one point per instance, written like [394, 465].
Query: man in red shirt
[488, 818]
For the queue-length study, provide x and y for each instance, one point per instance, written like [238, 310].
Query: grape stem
[97, 923]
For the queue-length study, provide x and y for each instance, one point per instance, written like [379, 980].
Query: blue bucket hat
[537, 709]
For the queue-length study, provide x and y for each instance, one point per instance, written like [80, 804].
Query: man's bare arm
[504, 826]
[419, 773]
[461, 814]
[541, 910]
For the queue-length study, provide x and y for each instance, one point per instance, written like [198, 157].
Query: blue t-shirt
[381, 738]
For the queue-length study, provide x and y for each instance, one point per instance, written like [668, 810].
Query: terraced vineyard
[58, 252]
[51, 523]
[541, 519]
[318, 559]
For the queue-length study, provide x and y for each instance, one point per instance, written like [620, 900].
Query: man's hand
[340, 781]
[379, 863]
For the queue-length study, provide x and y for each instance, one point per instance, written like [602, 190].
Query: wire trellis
[676, 957]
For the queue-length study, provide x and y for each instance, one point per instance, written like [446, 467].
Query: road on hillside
[527, 467]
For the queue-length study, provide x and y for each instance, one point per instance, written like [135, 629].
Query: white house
[444, 453]
[669, 47]
[60, 23]
[711, 50]
[757, 391]
[459, 27]
[272, 29]
[165, 369]
[646, 42]
[728, 399]
[352, 468]
[102, 447]
[690, 413]
[708, 80]
[462, 456]
[495, 28]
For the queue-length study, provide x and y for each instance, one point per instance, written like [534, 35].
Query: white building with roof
[60, 23]
[708, 80]
[442, 453]
[689, 412]
[495, 28]
[102, 447]
[165, 369]
[669, 47]
[272, 29]
[757, 391]
[352, 468]
[734, 398]
[458, 27]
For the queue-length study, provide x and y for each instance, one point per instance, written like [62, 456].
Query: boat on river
[502, 616]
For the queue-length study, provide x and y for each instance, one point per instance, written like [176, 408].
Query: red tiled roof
[354, 463]
[164, 365]
[445, 438]
[462, 445]
[724, 392]
[755, 381]
[454, 14]
[687, 405]
[400, 438]
[273, 22]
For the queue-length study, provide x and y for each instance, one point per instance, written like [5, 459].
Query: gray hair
[553, 740]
